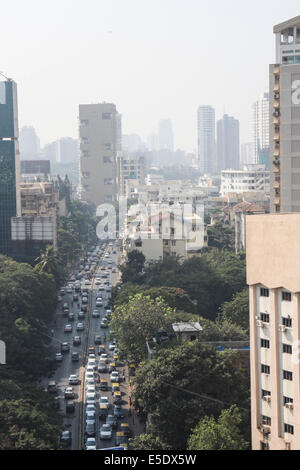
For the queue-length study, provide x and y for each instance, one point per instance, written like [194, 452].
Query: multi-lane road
[76, 422]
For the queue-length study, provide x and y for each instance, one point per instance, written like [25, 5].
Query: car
[112, 346]
[104, 358]
[81, 315]
[84, 308]
[90, 415]
[124, 427]
[75, 356]
[70, 407]
[117, 398]
[99, 303]
[111, 367]
[62, 292]
[90, 398]
[64, 347]
[103, 385]
[87, 282]
[71, 316]
[84, 300]
[112, 421]
[105, 432]
[103, 324]
[91, 350]
[52, 387]
[90, 388]
[97, 281]
[101, 288]
[121, 439]
[90, 444]
[92, 363]
[76, 340]
[90, 428]
[69, 290]
[58, 357]
[103, 411]
[75, 297]
[114, 270]
[103, 401]
[80, 327]
[114, 377]
[90, 408]
[68, 329]
[96, 313]
[59, 298]
[74, 380]
[89, 375]
[66, 438]
[69, 393]
[102, 367]
[101, 349]
[108, 289]
[118, 411]
[115, 387]
[98, 339]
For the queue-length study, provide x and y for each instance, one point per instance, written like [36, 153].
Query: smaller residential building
[187, 331]
[129, 168]
[251, 178]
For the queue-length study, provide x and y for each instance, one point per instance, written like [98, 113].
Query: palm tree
[48, 261]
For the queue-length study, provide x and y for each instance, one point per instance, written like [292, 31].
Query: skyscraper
[261, 129]
[100, 140]
[9, 162]
[29, 143]
[165, 135]
[206, 140]
[285, 123]
[228, 143]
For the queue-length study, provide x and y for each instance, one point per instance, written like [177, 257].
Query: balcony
[276, 121]
[276, 185]
[276, 137]
[277, 153]
[276, 96]
[276, 105]
[276, 87]
[276, 70]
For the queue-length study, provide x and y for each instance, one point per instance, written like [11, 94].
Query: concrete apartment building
[228, 143]
[130, 168]
[261, 130]
[251, 178]
[273, 253]
[285, 122]
[100, 139]
[207, 140]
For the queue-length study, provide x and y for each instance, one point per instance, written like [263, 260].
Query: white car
[90, 382]
[101, 288]
[90, 415]
[104, 358]
[91, 389]
[106, 432]
[90, 369]
[90, 444]
[95, 313]
[91, 398]
[74, 380]
[97, 281]
[104, 401]
[112, 347]
[114, 377]
[89, 376]
[92, 362]
[90, 408]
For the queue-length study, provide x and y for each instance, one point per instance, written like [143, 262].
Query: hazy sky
[153, 58]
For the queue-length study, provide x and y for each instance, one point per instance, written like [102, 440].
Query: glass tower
[8, 162]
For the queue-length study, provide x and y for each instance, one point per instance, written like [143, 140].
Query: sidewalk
[135, 423]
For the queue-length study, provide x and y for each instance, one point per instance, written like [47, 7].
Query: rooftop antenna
[2, 74]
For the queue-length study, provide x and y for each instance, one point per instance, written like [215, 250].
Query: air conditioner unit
[260, 323]
[267, 399]
[266, 429]
[282, 328]
[290, 406]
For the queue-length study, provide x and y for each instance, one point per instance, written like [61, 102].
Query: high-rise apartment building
[100, 139]
[206, 140]
[246, 155]
[9, 162]
[165, 135]
[273, 253]
[285, 122]
[29, 143]
[228, 143]
[261, 129]
[129, 167]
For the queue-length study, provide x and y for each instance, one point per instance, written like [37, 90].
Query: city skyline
[174, 86]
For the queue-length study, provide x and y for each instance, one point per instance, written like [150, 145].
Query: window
[108, 199]
[287, 296]
[265, 393]
[108, 181]
[173, 243]
[106, 115]
[266, 421]
[84, 122]
[288, 322]
[265, 369]
[107, 160]
[288, 429]
[265, 317]
[287, 349]
[287, 375]
[107, 146]
[264, 343]
[264, 292]
[287, 400]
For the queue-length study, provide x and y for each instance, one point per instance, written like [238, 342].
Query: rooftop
[190, 327]
[287, 24]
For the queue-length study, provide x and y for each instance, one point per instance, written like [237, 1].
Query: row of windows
[266, 421]
[288, 322]
[286, 400]
[286, 296]
[286, 348]
[287, 375]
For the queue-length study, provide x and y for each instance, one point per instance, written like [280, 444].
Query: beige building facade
[99, 141]
[273, 253]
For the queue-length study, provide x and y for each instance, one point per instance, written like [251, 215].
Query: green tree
[237, 310]
[137, 322]
[221, 236]
[48, 261]
[132, 269]
[147, 442]
[185, 383]
[225, 433]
